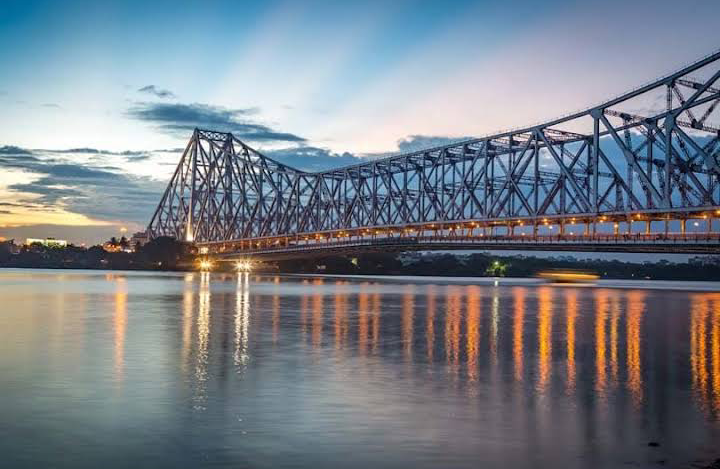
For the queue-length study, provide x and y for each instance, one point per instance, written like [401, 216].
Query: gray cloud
[420, 142]
[100, 192]
[312, 159]
[180, 119]
[159, 92]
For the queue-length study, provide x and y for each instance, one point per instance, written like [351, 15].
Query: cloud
[181, 119]
[307, 158]
[420, 142]
[100, 192]
[154, 90]
[51, 105]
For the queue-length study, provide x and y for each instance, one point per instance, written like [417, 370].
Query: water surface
[103, 369]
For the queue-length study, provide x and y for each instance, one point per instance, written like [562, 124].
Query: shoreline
[668, 285]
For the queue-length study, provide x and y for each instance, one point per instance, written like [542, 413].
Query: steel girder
[606, 160]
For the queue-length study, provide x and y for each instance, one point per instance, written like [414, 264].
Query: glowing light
[696, 224]
[243, 266]
[205, 265]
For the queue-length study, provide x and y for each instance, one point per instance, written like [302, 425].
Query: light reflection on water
[238, 370]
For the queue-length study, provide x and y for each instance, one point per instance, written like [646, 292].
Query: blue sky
[317, 83]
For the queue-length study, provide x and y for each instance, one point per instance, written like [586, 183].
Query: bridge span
[608, 178]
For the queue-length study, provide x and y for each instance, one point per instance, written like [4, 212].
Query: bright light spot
[243, 266]
[205, 265]
[696, 224]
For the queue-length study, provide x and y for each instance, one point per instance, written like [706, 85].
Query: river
[137, 369]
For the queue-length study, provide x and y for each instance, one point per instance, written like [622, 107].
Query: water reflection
[317, 313]
[519, 331]
[545, 311]
[120, 324]
[408, 315]
[473, 331]
[635, 310]
[569, 376]
[363, 318]
[601, 308]
[715, 351]
[242, 321]
[203, 328]
[341, 322]
[452, 329]
[571, 307]
[430, 322]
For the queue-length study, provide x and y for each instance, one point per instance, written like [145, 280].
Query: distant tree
[114, 241]
[165, 253]
[124, 243]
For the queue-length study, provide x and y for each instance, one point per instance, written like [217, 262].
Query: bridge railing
[479, 240]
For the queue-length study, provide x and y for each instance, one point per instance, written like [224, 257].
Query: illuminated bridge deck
[689, 243]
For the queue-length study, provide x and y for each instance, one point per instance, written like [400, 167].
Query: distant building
[139, 239]
[49, 242]
[10, 246]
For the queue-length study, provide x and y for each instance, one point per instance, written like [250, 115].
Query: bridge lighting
[696, 224]
[550, 227]
[204, 250]
[205, 265]
[243, 266]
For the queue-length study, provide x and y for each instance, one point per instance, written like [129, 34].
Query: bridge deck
[697, 243]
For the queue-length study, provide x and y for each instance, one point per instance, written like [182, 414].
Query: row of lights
[366, 231]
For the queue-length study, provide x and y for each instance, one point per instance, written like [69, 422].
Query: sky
[98, 98]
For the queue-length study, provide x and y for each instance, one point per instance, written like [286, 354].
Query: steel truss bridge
[609, 178]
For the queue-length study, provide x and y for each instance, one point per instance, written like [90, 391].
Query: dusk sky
[97, 99]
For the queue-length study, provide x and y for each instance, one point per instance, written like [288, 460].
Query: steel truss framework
[604, 164]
